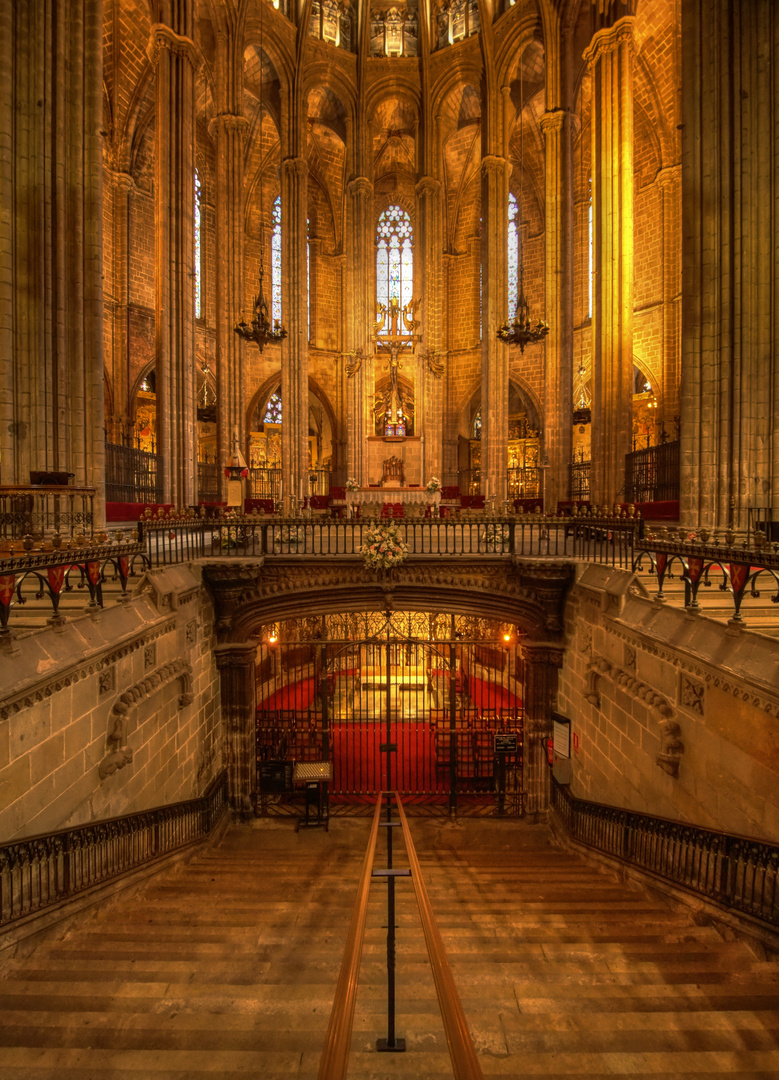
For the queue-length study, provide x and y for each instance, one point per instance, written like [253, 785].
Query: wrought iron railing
[739, 568]
[524, 483]
[652, 474]
[265, 483]
[736, 872]
[208, 482]
[606, 539]
[579, 480]
[36, 511]
[45, 572]
[131, 475]
[39, 872]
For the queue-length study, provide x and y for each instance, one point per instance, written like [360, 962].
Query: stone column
[174, 55]
[236, 664]
[123, 187]
[361, 276]
[431, 355]
[610, 60]
[669, 180]
[541, 665]
[228, 131]
[51, 242]
[294, 350]
[494, 353]
[558, 304]
[730, 262]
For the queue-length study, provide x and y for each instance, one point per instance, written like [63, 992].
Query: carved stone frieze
[529, 593]
[691, 694]
[626, 681]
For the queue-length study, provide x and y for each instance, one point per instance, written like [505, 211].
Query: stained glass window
[513, 253]
[198, 277]
[394, 262]
[275, 269]
[477, 425]
[273, 409]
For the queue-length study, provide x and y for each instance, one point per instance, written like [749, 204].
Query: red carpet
[487, 695]
[360, 766]
[297, 696]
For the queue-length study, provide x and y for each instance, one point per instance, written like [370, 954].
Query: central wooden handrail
[465, 1064]
[335, 1057]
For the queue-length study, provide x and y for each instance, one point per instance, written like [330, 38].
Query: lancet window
[394, 264]
[457, 20]
[513, 254]
[332, 22]
[198, 251]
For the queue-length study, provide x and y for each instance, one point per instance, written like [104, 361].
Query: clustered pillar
[236, 664]
[541, 667]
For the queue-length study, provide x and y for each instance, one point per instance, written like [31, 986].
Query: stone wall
[673, 715]
[112, 714]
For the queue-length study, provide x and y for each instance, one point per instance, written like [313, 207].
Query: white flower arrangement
[383, 546]
[352, 484]
[495, 535]
[433, 484]
[292, 535]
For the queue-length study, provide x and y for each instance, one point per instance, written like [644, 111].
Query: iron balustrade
[131, 475]
[265, 483]
[579, 480]
[49, 572]
[208, 482]
[39, 872]
[740, 569]
[37, 511]
[652, 474]
[605, 539]
[735, 872]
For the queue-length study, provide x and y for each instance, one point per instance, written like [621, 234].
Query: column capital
[294, 166]
[427, 185]
[228, 124]
[235, 654]
[162, 37]
[122, 181]
[493, 165]
[669, 176]
[543, 653]
[360, 188]
[609, 39]
[554, 120]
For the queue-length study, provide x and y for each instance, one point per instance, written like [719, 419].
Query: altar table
[418, 496]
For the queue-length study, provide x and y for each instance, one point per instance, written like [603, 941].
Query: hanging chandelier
[521, 330]
[261, 330]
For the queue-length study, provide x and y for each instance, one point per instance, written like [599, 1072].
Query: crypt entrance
[430, 705]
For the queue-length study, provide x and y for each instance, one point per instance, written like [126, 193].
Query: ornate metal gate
[406, 701]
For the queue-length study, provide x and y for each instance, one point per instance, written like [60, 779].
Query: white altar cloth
[392, 495]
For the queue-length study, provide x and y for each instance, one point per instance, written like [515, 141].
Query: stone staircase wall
[113, 713]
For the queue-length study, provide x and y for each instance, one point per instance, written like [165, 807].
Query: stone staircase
[225, 966]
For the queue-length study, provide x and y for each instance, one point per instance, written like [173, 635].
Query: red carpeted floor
[487, 695]
[360, 766]
[297, 696]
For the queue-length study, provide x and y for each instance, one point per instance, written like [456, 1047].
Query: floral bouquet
[293, 535]
[433, 484]
[495, 536]
[383, 547]
[352, 484]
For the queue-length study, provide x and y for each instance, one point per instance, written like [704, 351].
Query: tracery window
[332, 22]
[457, 20]
[273, 409]
[198, 251]
[513, 254]
[394, 263]
[589, 254]
[275, 267]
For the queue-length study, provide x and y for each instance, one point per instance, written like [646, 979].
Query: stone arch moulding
[119, 753]
[273, 383]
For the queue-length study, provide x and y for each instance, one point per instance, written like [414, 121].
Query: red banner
[660, 560]
[56, 576]
[124, 565]
[7, 589]
[738, 576]
[694, 568]
[93, 572]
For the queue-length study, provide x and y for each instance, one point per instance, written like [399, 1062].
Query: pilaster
[236, 664]
[174, 55]
[294, 351]
[542, 663]
[610, 61]
[669, 180]
[494, 353]
[122, 190]
[362, 316]
[558, 305]
[229, 131]
[430, 354]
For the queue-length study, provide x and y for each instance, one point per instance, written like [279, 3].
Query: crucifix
[399, 335]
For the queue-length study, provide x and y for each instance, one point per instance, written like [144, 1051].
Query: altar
[408, 495]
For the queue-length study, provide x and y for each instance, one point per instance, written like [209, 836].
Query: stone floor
[225, 967]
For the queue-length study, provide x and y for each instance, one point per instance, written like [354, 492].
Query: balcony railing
[131, 475]
[37, 511]
[734, 872]
[652, 474]
[40, 872]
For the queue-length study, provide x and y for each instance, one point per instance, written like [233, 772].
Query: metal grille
[207, 482]
[131, 475]
[652, 474]
[397, 713]
[580, 480]
[265, 483]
